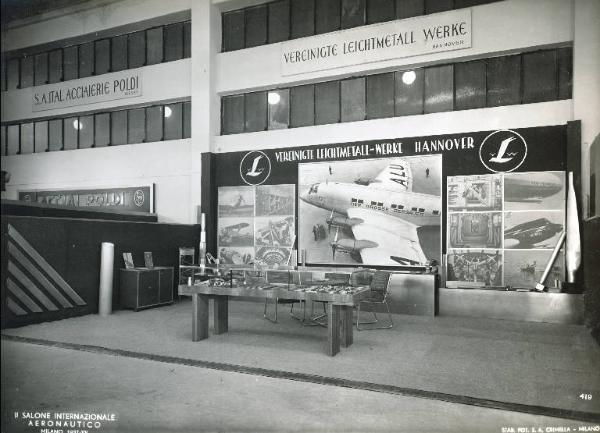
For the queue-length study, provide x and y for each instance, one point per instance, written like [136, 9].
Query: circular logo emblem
[255, 167]
[138, 198]
[503, 150]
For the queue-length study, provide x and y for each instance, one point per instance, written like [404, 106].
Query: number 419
[585, 396]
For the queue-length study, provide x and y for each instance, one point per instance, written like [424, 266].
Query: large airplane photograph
[534, 190]
[372, 212]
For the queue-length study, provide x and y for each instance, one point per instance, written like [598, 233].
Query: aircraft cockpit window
[421, 209]
[414, 209]
[393, 206]
[436, 212]
[380, 204]
[373, 203]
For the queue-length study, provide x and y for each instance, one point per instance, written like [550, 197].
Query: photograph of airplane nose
[327, 236]
[534, 190]
[533, 230]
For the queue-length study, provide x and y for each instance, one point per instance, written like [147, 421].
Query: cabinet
[143, 287]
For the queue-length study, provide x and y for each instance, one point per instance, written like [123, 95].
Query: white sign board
[391, 40]
[91, 90]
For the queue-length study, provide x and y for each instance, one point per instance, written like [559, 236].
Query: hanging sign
[91, 90]
[378, 42]
[138, 199]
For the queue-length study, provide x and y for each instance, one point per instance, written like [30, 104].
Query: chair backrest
[337, 278]
[361, 277]
[381, 282]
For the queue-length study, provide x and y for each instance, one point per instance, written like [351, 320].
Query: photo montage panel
[235, 227]
[275, 227]
[534, 206]
[374, 212]
[474, 231]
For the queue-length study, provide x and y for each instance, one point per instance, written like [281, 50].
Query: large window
[545, 76]
[135, 125]
[145, 47]
[280, 20]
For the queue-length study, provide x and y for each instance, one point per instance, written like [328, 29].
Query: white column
[586, 83]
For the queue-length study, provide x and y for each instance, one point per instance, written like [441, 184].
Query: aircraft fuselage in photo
[414, 208]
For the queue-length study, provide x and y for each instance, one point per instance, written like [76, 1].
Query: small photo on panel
[276, 231]
[466, 268]
[475, 230]
[236, 255]
[529, 230]
[524, 269]
[236, 232]
[275, 200]
[534, 191]
[272, 256]
[236, 201]
[478, 192]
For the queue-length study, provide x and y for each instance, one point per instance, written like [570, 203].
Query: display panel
[384, 212]
[520, 216]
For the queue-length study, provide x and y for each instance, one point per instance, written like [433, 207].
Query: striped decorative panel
[33, 284]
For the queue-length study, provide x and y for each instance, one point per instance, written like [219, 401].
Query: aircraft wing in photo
[397, 241]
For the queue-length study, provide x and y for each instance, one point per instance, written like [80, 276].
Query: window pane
[55, 135]
[187, 119]
[539, 76]
[102, 130]
[86, 59]
[12, 139]
[173, 118]
[409, 8]
[327, 102]
[470, 85]
[70, 130]
[118, 53]
[154, 45]
[302, 106]
[233, 30]
[328, 16]
[70, 63]
[353, 99]
[279, 108]
[279, 21]
[380, 96]
[86, 132]
[26, 138]
[154, 123]
[3, 140]
[409, 92]
[439, 89]
[503, 81]
[187, 39]
[41, 69]
[55, 66]
[232, 114]
[353, 13]
[303, 18]
[12, 74]
[380, 10]
[102, 57]
[41, 137]
[26, 72]
[255, 111]
[256, 26]
[433, 6]
[565, 72]
[118, 128]
[136, 49]
[136, 125]
[173, 42]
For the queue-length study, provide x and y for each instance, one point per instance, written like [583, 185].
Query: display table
[340, 302]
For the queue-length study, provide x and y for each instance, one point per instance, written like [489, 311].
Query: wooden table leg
[347, 336]
[199, 317]
[220, 313]
[333, 329]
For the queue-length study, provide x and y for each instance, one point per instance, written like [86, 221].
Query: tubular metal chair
[333, 278]
[283, 277]
[380, 289]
